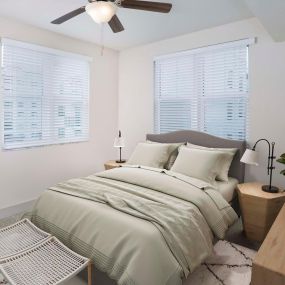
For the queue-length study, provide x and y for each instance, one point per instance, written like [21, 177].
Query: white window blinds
[45, 96]
[204, 89]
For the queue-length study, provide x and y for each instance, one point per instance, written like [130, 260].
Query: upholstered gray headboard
[203, 139]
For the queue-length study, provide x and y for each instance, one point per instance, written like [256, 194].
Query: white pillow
[198, 163]
[151, 155]
[173, 150]
[229, 153]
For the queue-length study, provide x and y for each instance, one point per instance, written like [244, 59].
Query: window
[204, 89]
[45, 96]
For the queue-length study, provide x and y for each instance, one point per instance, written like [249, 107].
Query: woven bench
[19, 237]
[30, 256]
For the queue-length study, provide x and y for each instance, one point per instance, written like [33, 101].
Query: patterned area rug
[230, 264]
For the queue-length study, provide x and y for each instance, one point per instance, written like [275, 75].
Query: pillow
[152, 155]
[198, 163]
[228, 155]
[173, 149]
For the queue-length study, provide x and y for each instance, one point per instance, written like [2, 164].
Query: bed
[138, 224]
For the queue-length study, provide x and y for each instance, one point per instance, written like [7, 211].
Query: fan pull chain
[102, 39]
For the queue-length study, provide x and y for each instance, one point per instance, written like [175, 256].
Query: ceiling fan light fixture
[101, 11]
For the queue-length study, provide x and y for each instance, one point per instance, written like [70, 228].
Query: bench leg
[90, 273]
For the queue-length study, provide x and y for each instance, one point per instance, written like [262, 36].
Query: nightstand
[259, 209]
[112, 164]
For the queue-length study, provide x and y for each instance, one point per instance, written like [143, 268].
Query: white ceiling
[143, 27]
[271, 14]
[140, 27]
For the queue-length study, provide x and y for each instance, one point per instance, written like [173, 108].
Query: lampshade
[250, 157]
[101, 11]
[119, 142]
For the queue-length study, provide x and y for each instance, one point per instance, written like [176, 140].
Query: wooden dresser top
[271, 255]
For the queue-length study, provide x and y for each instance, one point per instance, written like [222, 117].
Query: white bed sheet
[227, 189]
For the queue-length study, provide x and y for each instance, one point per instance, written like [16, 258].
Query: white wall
[24, 174]
[267, 86]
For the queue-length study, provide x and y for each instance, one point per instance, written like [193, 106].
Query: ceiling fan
[104, 11]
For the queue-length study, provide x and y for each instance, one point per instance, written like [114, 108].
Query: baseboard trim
[16, 209]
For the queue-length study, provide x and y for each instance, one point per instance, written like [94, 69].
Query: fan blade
[147, 6]
[116, 25]
[69, 16]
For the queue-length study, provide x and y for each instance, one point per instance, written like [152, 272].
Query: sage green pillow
[198, 163]
[228, 155]
[151, 155]
[173, 149]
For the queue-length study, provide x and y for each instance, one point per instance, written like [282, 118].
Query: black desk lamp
[251, 157]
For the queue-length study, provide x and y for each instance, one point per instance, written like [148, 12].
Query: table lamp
[251, 157]
[120, 143]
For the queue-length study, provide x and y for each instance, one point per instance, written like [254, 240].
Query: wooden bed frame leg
[90, 273]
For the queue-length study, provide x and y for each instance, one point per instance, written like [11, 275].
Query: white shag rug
[230, 264]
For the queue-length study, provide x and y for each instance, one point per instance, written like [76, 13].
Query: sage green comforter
[141, 226]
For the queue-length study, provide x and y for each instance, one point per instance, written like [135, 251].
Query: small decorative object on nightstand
[120, 143]
[112, 164]
[259, 209]
[251, 157]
